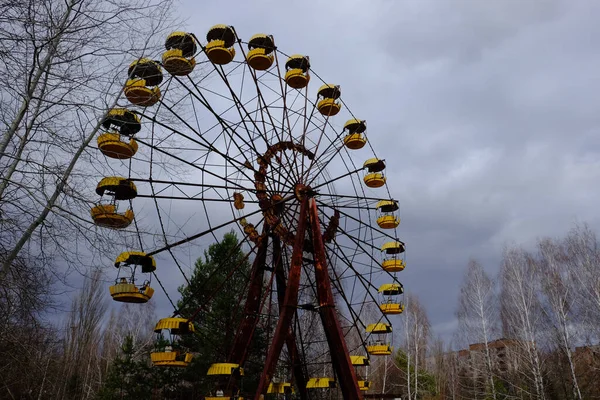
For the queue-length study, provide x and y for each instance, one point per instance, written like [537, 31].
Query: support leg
[289, 307]
[290, 340]
[340, 358]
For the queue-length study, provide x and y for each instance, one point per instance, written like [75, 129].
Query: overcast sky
[486, 109]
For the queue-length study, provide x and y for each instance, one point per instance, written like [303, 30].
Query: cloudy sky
[487, 108]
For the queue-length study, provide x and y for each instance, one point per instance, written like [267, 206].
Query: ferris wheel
[257, 142]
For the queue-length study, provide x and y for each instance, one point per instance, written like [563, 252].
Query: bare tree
[83, 333]
[522, 315]
[57, 72]
[559, 304]
[583, 257]
[417, 336]
[477, 318]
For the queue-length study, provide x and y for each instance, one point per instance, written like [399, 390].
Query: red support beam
[333, 331]
[290, 339]
[243, 338]
[289, 305]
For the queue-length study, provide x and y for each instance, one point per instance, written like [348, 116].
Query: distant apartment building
[503, 356]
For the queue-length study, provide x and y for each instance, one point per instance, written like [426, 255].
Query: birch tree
[522, 315]
[83, 334]
[559, 303]
[583, 258]
[477, 319]
[58, 79]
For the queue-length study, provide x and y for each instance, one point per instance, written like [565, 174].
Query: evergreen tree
[217, 292]
[127, 378]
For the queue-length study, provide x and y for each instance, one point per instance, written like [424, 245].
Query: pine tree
[215, 297]
[127, 378]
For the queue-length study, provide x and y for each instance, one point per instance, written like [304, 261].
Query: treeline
[530, 332]
[103, 352]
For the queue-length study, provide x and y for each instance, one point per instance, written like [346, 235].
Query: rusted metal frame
[264, 106]
[198, 235]
[290, 339]
[285, 117]
[252, 305]
[193, 165]
[149, 196]
[312, 162]
[333, 332]
[337, 178]
[378, 230]
[240, 107]
[226, 127]
[289, 305]
[207, 145]
[366, 283]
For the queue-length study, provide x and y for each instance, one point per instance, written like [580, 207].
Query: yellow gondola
[106, 215]
[391, 262]
[223, 397]
[169, 354]
[280, 387]
[142, 86]
[329, 105]
[386, 218]
[296, 75]
[359, 361]
[390, 305]
[380, 328]
[119, 122]
[374, 177]
[391, 289]
[355, 139]
[219, 48]
[224, 369]
[321, 383]
[117, 187]
[125, 290]
[178, 59]
[260, 54]
[379, 349]
[391, 308]
[221, 374]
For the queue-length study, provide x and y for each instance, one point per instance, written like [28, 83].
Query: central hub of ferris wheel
[301, 191]
[276, 189]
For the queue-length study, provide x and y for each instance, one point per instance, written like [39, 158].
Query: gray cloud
[485, 110]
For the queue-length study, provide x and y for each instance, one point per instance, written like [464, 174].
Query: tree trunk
[33, 83]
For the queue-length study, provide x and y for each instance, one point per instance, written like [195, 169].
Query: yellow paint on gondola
[379, 349]
[391, 308]
[362, 361]
[169, 356]
[390, 289]
[178, 59]
[223, 369]
[329, 104]
[260, 55]
[142, 86]
[321, 383]
[379, 328]
[297, 75]
[106, 215]
[219, 48]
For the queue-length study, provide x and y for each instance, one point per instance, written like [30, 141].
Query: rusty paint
[333, 331]
[289, 307]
